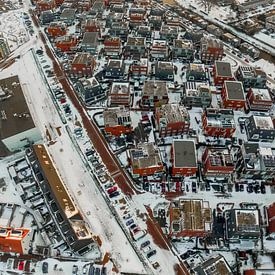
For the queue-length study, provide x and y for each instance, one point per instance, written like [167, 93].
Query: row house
[184, 158]
[218, 122]
[196, 94]
[251, 77]
[90, 42]
[115, 69]
[120, 29]
[66, 43]
[139, 67]
[196, 73]
[164, 71]
[136, 19]
[159, 49]
[112, 47]
[255, 162]
[90, 25]
[211, 49]
[172, 120]
[259, 99]
[56, 29]
[45, 5]
[183, 49]
[232, 95]
[222, 71]
[146, 160]
[154, 94]
[217, 162]
[260, 128]
[168, 32]
[82, 65]
[89, 90]
[155, 21]
[144, 31]
[190, 218]
[135, 47]
[120, 94]
[117, 121]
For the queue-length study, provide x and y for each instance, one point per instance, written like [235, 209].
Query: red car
[111, 190]
[21, 265]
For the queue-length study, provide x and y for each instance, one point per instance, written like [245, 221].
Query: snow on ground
[75, 176]
[265, 38]
[267, 66]
[13, 29]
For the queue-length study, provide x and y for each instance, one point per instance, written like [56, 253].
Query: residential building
[217, 162]
[66, 43]
[196, 94]
[89, 42]
[82, 65]
[74, 231]
[232, 95]
[211, 49]
[117, 121]
[98, 6]
[172, 120]
[242, 224]
[15, 240]
[114, 18]
[168, 32]
[183, 49]
[139, 67]
[231, 39]
[4, 49]
[270, 210]
[214, 266]
[115, 69]
[45, 5]
[146, 160]
[250, 50]
[56, 29]
[120, 94]
[196, 73]
[184, 158]
[260, 128]
[159, 49]
[164, 71]
[251, 4]
[120, 29]
[190, 218]
[270, 22]
[112, 47]
[222, 71]
[89, 90]
[255, 162]
[90, 25]
[46, 17]
[135, 47]
[155, 21]
[259, 271]
[154, 94]
[144, 31]
[136, 19]
[17, 129]
[218, 122]
[68, 16]
[259, 99]
[251, 77]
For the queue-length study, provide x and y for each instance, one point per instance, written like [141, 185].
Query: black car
[237, 187]
[207, 186]
[144, 244]
[114, 194]
[257, 188]
[151, 253]
[97, 271]
[104, 271]
[249, 188]
[194, 187]
[241, 187]
[45, 267]
[263, 191]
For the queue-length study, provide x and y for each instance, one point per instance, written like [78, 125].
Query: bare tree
[207, 5]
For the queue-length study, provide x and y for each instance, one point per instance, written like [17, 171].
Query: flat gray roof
[234, 90]
[184, 153]
[223, 69]
[15, 116]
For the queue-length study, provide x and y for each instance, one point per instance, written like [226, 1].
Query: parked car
[108, 185]
[249, 188]
[144, 244]
[112, 189]
[194, 187]
[75, 269]
[241, 187]
[237, 187]
[129, 222]
[151, 253]
[127, 216]
[263, 191]
[45, 267]
[114, 194]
